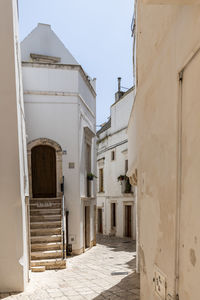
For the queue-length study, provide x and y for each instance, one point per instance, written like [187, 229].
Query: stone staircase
[46, 234]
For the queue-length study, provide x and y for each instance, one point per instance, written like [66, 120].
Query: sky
[96, 32]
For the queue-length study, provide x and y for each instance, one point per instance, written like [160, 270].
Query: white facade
[60, 105]
[13, 171]
[112, 161]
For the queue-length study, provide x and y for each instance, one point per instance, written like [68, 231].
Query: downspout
[67, 233]
[134, 31]
[179, 179]
[63, 215]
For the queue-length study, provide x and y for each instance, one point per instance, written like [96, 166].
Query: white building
[115, 198]
[60, 106]
[13, 162]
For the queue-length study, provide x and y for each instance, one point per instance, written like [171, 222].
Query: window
[112, 155]
[101, 181]
[113, 215]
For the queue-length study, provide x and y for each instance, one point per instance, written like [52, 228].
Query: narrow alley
[107, 271]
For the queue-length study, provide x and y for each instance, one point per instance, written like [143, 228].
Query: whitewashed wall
[60, 103]
[45, 39]
[115, 139]
[13, 171]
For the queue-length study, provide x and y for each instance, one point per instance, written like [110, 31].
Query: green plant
[91, 176]
[121, 177]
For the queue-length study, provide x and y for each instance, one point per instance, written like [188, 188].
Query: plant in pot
[121, 178]
[91, 176]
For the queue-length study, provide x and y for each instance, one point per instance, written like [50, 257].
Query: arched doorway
[43, 162]
[45, 168]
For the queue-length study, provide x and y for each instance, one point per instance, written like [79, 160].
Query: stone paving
[106, 271]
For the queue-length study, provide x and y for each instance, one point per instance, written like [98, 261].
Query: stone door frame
[58, 150]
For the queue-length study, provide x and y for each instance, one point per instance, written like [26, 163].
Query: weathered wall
[13, 171]
[172, 2]
[166, 38]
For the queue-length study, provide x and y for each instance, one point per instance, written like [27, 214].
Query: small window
[112, 155]
[101, 181]
[113, 215]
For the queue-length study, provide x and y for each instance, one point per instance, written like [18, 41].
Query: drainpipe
[179, 179]
[63, 214]
[67, 232]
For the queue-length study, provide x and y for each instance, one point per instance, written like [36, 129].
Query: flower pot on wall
[91, 176]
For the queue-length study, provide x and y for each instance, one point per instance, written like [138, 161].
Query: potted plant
[91, 176]
[121, 178]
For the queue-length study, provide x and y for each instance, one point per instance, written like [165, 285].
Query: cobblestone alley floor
[107, 271]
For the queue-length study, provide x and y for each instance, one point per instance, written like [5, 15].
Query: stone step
[38, 269]
[46, 211]
[46, 231]
[35, 200]
[49, 264]
[46, 246]
[46, 239]
[45, 205]
[46, 218]
[41, 255]
[39, 225]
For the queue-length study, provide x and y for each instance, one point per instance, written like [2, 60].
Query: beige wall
[164, 148]
[13, 168]
[172, 2]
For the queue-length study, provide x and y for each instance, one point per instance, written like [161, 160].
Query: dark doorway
[100, 221]
[128, 220]
[113, 215]
[87, 226]
[43, 165]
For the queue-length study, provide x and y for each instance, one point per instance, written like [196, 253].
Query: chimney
[119, 93]
[119, 84]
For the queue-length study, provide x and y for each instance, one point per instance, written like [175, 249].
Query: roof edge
[53, 65]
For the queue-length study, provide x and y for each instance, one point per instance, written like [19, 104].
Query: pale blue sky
[96, 32]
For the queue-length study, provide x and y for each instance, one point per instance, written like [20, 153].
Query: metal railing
[63, 214]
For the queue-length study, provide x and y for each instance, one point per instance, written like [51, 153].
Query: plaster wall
[115, 139]
[49, 79]
[169, 34]
[120, 112]
[60, 105]
[13, 173]
[104, 203]
[56, 118]
[172, 2]
[55, 110]
[87, 94]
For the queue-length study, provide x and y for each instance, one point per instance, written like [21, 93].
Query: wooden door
[43, 165]
[100, 221]
[128, 221]
[87, 226]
